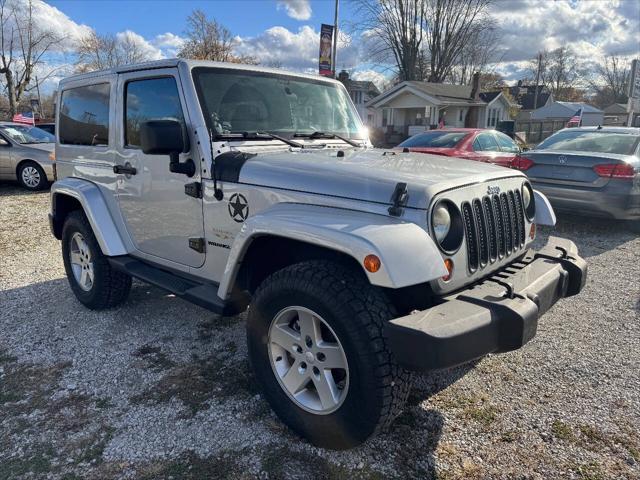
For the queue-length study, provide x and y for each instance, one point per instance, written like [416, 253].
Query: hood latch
[399, 199]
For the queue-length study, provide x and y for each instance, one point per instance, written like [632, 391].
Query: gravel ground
[159, 388]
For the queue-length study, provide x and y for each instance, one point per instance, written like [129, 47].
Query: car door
[161, 219]
[6, 165]
[485, 148]
[508, 148]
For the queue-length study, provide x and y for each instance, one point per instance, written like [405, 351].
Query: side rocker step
[202, 294]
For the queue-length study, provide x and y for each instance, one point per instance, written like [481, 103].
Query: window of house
[485, 142]
[150, 99]
[460, 114]
[84, 115]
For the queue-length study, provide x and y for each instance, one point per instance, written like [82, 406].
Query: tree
[453, 26]
[559, 70]
[611, 81]
[423, 38]
[476, 56]
[22, 47]
[394, 33]
[98, 52]
[209, 40]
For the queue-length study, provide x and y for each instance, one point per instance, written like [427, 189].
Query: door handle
[127, 169]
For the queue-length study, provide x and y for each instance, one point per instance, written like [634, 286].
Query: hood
[368, 175]
[45, 147]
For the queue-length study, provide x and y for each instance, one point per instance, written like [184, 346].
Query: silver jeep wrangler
[235, 186]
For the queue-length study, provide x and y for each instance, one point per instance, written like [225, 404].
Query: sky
[286, 31]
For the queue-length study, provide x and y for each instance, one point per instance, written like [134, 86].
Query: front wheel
[318, 351]
[31, 176]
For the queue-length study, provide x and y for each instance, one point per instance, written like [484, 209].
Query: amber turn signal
[448, 263]
[532, 231]
[372, 263]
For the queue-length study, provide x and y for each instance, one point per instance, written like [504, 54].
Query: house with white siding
[411, 107]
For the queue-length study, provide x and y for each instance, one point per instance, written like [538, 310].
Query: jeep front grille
[494, 228]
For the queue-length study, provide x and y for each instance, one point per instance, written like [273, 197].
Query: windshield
[25, 134]
[437, 139]
[591, 141]
[236, 101]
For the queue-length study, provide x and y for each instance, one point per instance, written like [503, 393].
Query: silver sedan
[26, 155]
[591, 171]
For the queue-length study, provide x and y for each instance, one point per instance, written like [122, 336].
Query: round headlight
[446, 226]
[528, 201]
[441, 219]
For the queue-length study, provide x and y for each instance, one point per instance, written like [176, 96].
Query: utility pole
[535, 96]
[335, 40]
[39, 100]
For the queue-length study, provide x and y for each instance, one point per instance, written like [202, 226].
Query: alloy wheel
[81, 262]
[308, 360]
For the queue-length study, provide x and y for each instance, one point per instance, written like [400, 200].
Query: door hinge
[193, 189]
[197, 244]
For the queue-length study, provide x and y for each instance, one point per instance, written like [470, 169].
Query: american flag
[24, 118]
[576, 120]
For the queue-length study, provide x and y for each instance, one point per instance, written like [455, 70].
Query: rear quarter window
[84, 115]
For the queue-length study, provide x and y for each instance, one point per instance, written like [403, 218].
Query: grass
[190, 466]
[197, 382]
[562, 431]
[283, 462]
[588, 471]
[154, 356]
[484, 414]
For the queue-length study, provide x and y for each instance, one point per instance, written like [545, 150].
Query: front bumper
[498, 314]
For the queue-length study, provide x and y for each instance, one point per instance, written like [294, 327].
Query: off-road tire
[44, 183]
[356, 311]
[110, 287]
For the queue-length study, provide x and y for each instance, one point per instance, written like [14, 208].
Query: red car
[471, 143]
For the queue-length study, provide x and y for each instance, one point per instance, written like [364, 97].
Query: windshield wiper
[328, 135]
[259, 136]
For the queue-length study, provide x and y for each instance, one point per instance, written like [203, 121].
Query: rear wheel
[94, 282]
[31, 176]
[316, 344]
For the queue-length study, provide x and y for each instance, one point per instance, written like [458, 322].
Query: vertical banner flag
[326, 43]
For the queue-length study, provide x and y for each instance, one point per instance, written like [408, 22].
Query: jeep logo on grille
[493, 190]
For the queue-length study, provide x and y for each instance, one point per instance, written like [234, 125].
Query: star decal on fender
[238, 207]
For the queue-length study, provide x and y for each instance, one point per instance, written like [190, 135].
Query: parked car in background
[478, 144]
[588, 170]
[48, 127]
[26, 155]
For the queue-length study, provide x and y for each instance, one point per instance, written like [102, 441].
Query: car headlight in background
[446, 225]
[528, 201]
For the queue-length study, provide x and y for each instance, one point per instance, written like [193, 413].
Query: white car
[240, 187]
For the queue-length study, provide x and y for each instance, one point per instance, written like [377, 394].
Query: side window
[149, 99]
[84, 115]
[485, 143]
[506, 144]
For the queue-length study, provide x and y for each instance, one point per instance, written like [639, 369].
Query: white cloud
[294, 50]
[298, 9]
[379, 79]
[591, 29]
[169, 43]
[48, 17]
[141, 44]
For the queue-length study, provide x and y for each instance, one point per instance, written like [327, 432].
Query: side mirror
[166, 137]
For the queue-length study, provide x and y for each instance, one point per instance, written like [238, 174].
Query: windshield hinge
[193, 189]
[197, 244]
[399, 199]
